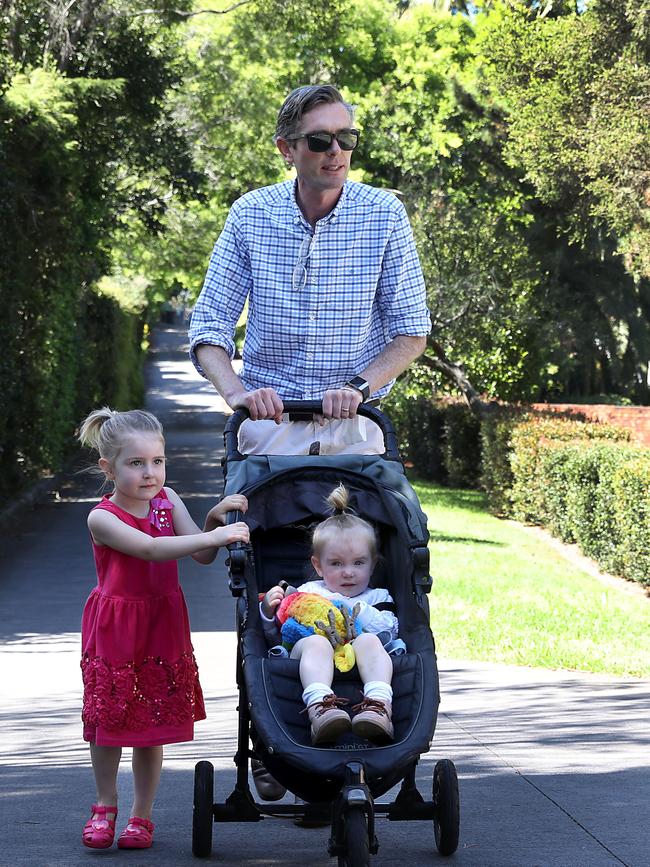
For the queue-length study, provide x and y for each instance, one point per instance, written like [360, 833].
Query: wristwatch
[361, 385]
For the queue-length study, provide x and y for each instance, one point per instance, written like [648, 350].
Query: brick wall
[634, 418]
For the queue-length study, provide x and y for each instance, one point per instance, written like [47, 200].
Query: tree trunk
[456, 375]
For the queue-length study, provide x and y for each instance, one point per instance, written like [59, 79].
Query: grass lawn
[502, 595]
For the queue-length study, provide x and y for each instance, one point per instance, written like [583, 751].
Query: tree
[85, 136]
[576, 94]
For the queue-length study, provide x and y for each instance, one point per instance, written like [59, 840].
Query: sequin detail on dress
[154, 693]
[161, 513]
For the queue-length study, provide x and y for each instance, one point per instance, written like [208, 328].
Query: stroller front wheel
[357, 848]
[203, 814]
[446, 823]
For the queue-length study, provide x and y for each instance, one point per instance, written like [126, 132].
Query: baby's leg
[373, 718]
[328, 720]
[373, 662]
[316, 660]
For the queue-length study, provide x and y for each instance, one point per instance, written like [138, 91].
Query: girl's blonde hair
[341, 520]
[105, 429]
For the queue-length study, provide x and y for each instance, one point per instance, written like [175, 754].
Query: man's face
[320, 171]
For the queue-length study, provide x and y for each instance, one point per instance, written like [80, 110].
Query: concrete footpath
[554, 766]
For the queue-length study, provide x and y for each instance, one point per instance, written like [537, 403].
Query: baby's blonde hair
[105, 429]
[340, 521]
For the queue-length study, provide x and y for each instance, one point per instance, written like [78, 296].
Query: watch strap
[360, 384]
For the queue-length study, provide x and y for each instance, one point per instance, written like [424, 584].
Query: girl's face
[345, 564]
[139, 468]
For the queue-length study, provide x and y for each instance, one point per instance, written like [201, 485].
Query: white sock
[315, 692]
[379, 690]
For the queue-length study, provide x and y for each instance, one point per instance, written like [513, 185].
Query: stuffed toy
[303, 614]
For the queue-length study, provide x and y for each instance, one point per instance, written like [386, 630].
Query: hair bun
[339, 499]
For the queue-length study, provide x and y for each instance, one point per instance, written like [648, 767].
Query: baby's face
[345, 564]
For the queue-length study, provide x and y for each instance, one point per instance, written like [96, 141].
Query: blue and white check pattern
[311, 330]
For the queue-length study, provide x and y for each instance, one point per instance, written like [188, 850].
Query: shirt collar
[299, 217]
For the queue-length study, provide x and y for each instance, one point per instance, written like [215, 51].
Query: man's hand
[261, 403]
[340, 403]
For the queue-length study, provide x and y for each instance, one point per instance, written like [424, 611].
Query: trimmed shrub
[419, 424]
[496, 444]
[554, 467]
[462, 446]
[528, 440]
[579, 500]
[631, 490]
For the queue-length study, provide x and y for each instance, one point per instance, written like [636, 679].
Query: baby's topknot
[339, 499]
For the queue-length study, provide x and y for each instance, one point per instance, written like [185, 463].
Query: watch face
[361, 384]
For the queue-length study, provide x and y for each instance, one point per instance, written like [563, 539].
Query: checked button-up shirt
[323, 301]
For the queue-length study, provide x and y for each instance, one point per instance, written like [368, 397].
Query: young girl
[141, 686]
[344, 556]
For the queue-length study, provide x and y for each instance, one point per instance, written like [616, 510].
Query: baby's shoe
[98, 833]
[328, 719]
[138, 834]
[373, 720]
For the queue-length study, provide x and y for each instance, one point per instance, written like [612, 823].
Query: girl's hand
[271, 601]
[238, 532]
[217, 514]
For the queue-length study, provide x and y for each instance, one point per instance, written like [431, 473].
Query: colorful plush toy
[303, 614]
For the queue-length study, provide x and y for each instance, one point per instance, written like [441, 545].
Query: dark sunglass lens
[319, 142]
[347, 140]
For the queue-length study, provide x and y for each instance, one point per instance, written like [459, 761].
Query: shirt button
[312, 316]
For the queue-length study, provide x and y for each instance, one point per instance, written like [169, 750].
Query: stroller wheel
[446, 823]
[357, 849]
[203, 815]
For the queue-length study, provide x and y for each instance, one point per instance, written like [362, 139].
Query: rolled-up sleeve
[401, 289]
[225, 289]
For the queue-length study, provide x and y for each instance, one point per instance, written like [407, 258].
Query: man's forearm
[392, 360]
[218, 368]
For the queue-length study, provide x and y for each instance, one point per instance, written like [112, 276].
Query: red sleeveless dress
[141, 681]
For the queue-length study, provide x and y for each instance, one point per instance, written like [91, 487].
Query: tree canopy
[517, 133]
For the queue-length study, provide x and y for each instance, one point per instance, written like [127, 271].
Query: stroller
[338, 783]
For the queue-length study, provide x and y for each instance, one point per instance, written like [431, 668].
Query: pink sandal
[138, 834]
[99, 833]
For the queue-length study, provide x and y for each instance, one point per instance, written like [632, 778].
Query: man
[337, 305]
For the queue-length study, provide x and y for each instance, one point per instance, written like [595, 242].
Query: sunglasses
[319, 142]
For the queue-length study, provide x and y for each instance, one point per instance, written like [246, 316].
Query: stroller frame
[353, 809]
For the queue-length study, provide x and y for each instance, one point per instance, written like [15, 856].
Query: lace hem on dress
[137, 697]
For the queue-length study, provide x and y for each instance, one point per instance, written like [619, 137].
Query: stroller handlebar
[305, 410]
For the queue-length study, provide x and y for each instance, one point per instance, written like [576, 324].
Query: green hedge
[631, 494]
[583, 481]
[529, 437]
[597, 495]
[496, 477]
[65, 347]
[439, 440]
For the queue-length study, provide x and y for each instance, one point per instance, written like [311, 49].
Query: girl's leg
[105, 762]
[147, 765]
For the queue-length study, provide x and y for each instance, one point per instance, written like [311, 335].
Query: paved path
[554, 767]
